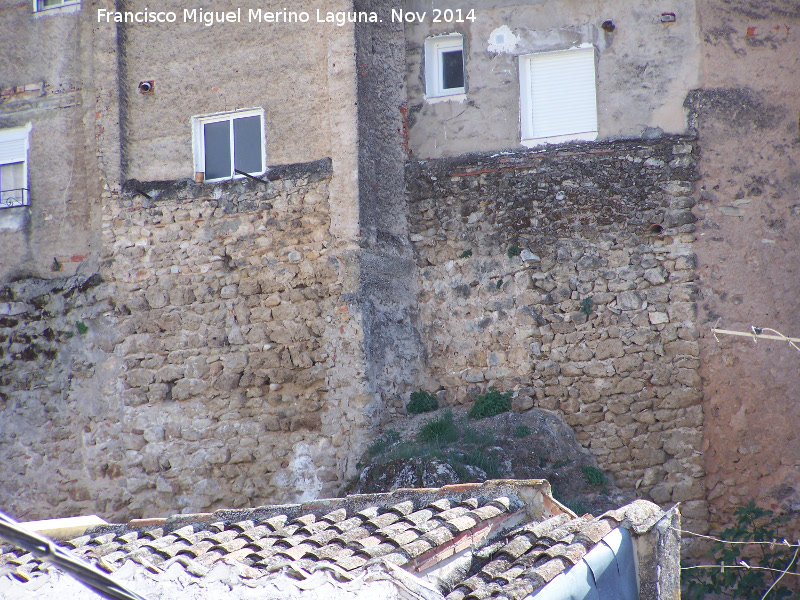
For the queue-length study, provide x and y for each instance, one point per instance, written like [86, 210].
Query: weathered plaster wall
[223, 365]
[626, 375]
[200, 70]
[47, 80]
[644, 69]
[387, 272]
[747, 247]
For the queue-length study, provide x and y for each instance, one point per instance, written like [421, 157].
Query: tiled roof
[526, 538]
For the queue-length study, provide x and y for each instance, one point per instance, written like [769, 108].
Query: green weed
[490, 404]
[422, 402]
[593, 475]
[522, 431]
[439, 431]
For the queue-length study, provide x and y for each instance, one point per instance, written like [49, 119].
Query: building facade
[229, 242]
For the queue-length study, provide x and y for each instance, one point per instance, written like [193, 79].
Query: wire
[716, 539]
[757, 333]
[785, 571]
[723, 567]
[88, 575]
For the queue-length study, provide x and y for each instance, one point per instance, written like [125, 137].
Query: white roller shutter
[13, 151]
[558, 94]
[14, 145]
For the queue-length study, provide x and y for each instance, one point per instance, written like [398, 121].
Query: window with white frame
[444, 66]
[558, 98]
[40, 5]
[14, 167]
[229, 142]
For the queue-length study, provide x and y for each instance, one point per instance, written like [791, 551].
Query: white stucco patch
[502, 40]
[301, 474]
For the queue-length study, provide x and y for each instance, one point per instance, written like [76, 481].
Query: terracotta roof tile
[496, 567]
[351, 562]
[384, 520]
[442, 504]
[487, 512]
[348, 524]
[571, 553]
[417, 547]
[438, 536]
[415, 529]
[518, 546]
[397, 558]
[592, 533]
[420, 516]
[376, 551]
[336, 516]
[453, 513]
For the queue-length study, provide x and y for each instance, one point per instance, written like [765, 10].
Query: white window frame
[198, 139]
[528, 135]
[14, 148]
[64, 6]
[434, 76]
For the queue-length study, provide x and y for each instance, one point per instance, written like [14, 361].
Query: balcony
[14, 198]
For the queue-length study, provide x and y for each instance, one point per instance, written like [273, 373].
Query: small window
[558, 99]
[444, 66]
[226, 143]
[14, 167]
[40, 5]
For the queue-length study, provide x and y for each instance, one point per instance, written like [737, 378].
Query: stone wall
[567, 275]
[60, 420]
[225, 367]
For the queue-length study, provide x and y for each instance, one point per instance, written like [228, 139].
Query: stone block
[473, 376]
[658, 318]
[629, 300]
[682, 348]
[185, 389]
[139, 377]
[611, 348]
[655, 276]
[680, 398]
[522, 403]
[154, 434]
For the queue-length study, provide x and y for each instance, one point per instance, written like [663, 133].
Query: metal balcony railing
[16, 197]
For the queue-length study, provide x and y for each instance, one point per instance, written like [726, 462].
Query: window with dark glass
[444, 66]
[452, 69]
[230, 143]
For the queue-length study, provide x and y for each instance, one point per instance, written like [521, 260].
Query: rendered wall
[625, 376]
[748, 237]
[644, 68]
[201, 69]
[49, 80]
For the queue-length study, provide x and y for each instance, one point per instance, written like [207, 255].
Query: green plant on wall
[422, 402]
[586, 305]
[81, 327]
[745, 570]
[490, 404]
[56, 266]
[593, 475]
[466, 253]
[513, 251]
